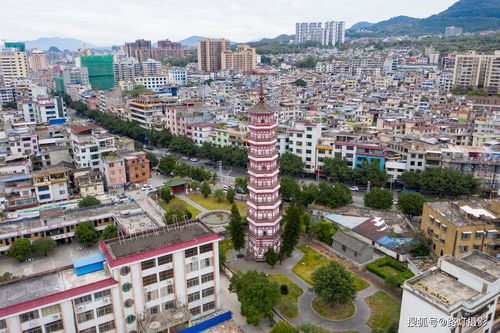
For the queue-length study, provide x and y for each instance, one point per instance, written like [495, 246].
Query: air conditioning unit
[193, 259]
[56, 316]
[106, 300]
[80, 308]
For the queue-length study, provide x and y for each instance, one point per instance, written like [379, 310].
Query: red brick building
[137, 167]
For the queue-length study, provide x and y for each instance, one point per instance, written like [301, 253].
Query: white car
[225, 188]
[353, 188]
[146, 187]
[194, 159]
[185, 158]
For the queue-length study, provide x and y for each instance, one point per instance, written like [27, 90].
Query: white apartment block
[43, 109]
[332, 33]
[162, 277]
[177, 77]
[302, 139]
[199, 133]
[76, 75]
[127, 69]
[443, 297]
[88, 143]
[13, 65]
[154, 83]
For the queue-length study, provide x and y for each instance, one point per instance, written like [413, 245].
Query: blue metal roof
[390, 242]
[15, 178]
[89, 260]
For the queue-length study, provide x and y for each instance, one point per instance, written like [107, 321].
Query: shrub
[284, 289]
[402, 274]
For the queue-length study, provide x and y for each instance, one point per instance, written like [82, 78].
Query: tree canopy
[291, 232]
[282, 327]
[378, 198]
[89, 201]
[441, 181]
[20, 249]
[291, 164]
[411, 204]
[337, 169]
[371, 172]
[111, 231]
[86, 234]
[44, 245]
[334, 283]
[153, 160]
[236, 229]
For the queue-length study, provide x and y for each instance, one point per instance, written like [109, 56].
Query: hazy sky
[107, 22]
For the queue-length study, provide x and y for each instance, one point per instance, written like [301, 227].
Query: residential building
[244, 59]
[332, 33]
[37, 61]
[167, 49]
[52, 183]
[140, 49]
[13, 65]
[177, 77]
[151, 67]
[24, 143]
[210, 54]
[145, 108]
[43, 109]
[351, 248]
[6, 95]
[136, 167]
[88, 182]
[100, 70]
[76, 75]
[126, 69]
[88, 142]
[18, 191]
[478, 71]
[459, 227]
[452, 32]
[153, 83]
[199, 133]
[114, 171]
[458, 295]
[172, 276]
[264, 200]
[302, 140]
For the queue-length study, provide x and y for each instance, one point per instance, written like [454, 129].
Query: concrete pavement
[192, 203]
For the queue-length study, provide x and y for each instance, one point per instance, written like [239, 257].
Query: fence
[206, 324]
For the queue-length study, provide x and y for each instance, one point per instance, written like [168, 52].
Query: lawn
[211, 203]
[310, 327]
[384, 310]
[226, 245]
[174, 201]
[333, 312]
[386, 266]
[288, 304]
[312, 260]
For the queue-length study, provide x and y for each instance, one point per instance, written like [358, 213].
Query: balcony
[262, 138]
[263, 171]
[263, 186]
[271, 202]
[262, 237]
[266, 155]
[263, 220]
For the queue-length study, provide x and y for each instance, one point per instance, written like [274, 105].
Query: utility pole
[219, 164]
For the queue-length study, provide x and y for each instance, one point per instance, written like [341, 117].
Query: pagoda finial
[261, 93]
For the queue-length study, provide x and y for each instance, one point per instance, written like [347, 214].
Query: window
[107, 326]
[83, 299]
[207, 292]
[466, 235]
[164, 291]
[191, 252]
[193, 282]
[149, 279]
[104, 310]
[194, 296]
[85, 316]
[151, 295]
[126, 287]
[54, 326]
[3, 324]
[479, 234]
[344, 248]
[130, 319]
[29, 316]
[208, 306]
[148, 264]
[207, 262]
[154, 309]
[309, 136]
[89, 330]
[477, 247]
[168, 305]
[168, 274]
[191, 267]
[124, 270]
[206, 248]
[34, 330]
[165, 260]
[101, 294]
[49, 310]
[355, 253]
[463, 248]
[207, 277]
[195, 311]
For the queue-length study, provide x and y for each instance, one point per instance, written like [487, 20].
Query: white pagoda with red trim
[264, 199]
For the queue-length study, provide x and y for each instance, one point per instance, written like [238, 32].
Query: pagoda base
[257, 247]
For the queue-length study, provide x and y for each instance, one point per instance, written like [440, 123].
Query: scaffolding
[100, 68]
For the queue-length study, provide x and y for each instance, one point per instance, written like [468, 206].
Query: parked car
[225, 188]
[167, 153]
[147, 187]
[353, 188]
[148, 148]
[239, 190]
[185, 158]
[194, 159]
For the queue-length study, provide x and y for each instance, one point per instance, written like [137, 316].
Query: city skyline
[83, 21]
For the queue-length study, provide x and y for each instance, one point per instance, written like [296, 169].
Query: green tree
[138, 146]
[371, 173]
[182, 144]
[334, 283]
[282, 327]
[134, 93]
[153, 160]
[86, 234]
[291, 232]
[300, 83]
[167, 164]
[324, 230]
[308, 62]
[195, 185]
[44, 245]
[411, 204]
[236, 229]
[333, 196]
[166, 194]
[289, 188]
[411, 178]
[337, 169]
[230, 194]
[271, 256]
[111, 231]
[89, 201]
[219, 195]
[205, 189]
[241, 183]
[20, 249]
[291, 164]
[7, 276]
[378, 198]
[419, 245]
[256, 294]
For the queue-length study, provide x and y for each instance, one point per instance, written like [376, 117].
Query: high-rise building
[210, 54]
[13, 65]
[38, 61]
[140, 49]
[478, 70]
[264, 214]
[452, 32]
[76, 76]
[151, 67]
[332, 33]
[100, 70]
[20, 46]
[126, 69]
[244, 58]
[168, 49]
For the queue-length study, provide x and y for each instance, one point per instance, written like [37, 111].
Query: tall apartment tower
[244, 58]
[38, 61]
[210, 54]
[140, 49]
[264, 214]
[452, 32]
[478, 71]
[13, 65]
[330, 34]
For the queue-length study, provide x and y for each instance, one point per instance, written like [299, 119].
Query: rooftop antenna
[261, 92]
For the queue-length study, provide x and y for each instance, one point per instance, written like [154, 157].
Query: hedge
[376, 268]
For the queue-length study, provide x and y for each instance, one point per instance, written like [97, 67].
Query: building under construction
[100, 68]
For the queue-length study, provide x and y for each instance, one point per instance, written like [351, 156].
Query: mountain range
[470, 15]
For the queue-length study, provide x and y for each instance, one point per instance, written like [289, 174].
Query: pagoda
[264, 199]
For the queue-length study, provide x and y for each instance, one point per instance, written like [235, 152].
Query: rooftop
[469, 212]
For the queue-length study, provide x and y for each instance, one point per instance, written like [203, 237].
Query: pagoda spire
[261, 92]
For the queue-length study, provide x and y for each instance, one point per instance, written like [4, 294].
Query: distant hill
[45, 43]
[191, 41]
[361, 25]
[281, 38]
[470, 15]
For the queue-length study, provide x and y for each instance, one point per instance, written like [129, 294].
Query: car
[146, 187]
[225, 188]
[194, 159]
[185, 158]
[239, 190]
[353, 188]
[167, 153]
[149, 148]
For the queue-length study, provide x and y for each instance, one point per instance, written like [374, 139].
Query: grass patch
[333, 312]
[312, 260]
[383, 310]
[211, 203]
[310, 327]
[177, 201]
[288, 304]
[226, 245]
[387, 266]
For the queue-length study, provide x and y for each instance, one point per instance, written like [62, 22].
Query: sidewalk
[192, 203]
